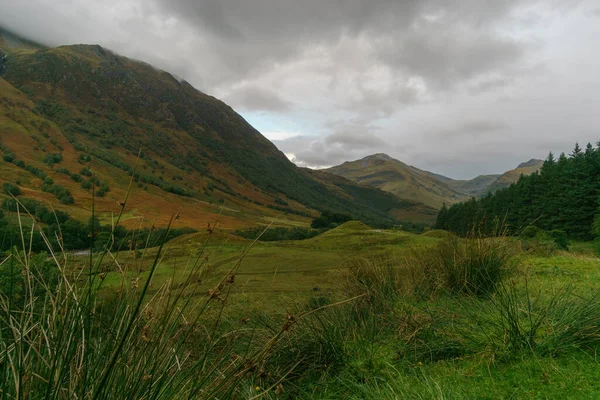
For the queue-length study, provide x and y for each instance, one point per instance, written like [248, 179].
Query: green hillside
[406, 182]
[81, 103]
[433, 190]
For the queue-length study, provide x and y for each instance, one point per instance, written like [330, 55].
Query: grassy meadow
[355, 312]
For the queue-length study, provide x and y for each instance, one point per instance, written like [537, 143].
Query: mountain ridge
[411, 183]
[85, 102]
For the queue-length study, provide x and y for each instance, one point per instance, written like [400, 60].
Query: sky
[457, 87]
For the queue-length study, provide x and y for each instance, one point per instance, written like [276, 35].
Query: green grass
[336, 316]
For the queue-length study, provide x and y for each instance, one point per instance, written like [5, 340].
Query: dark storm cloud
[442, 42]
[432, 82]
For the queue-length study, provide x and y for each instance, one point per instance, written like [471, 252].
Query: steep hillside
[512, 176]
[371, 198]
[404, 181]
[475, 187]
[76, 115]
[433, 190]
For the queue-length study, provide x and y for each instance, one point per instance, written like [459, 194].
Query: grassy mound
[437, 233]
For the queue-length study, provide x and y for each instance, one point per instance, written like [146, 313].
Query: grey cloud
[333, 149]
[355, 140]
[482, 126]
[460, 43]
[255, 98]
[423, 80]
[443, 54]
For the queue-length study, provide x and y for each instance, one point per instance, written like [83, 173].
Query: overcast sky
[458, 87]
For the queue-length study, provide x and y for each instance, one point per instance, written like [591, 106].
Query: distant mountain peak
[379, 156]
[531, 163]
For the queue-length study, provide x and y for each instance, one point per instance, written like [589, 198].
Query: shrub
[275, 234]
[86, 185]
[11, 189]
[530, 232]
[52, 158]
[66, 199]
[86, 172]
[379, 279]
[76, 177]
[515, 319]
[560, 238]
[464, 266]
[329, 220]
[544, 243]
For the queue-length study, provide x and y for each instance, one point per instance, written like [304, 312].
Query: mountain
[404, 181]
[510, 177]
[75, 115]
[433, 190]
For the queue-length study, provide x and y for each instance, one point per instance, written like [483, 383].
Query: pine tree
[564, 195]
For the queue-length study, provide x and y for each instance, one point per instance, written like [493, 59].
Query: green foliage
[85, 171]
[13, 279]
[516, 319]
[10, 189]
[328, 220]
[563, 196]
[52, 158]
[64, 232]
[60, 192]
[276, 234]
[473, 266]
[530, 232]
[132, 346]
[560, 238]
[538, 241]
[378, 280]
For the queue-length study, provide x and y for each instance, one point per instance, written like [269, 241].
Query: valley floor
[436, 347]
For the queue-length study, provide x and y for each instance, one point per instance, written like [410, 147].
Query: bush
[544, 243]
[379, 279]
[530, 232]
[465, 266]
[275, 234]
[11, 189]
[67, 199]
[328, 220]
[86, 172]
[560, 238]
[52, 158]
[515, 319]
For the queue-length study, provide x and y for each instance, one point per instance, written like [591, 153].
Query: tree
[563, 196]
[11, 189]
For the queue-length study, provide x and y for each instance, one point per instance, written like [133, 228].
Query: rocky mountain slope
[410, 183]
[79, 116]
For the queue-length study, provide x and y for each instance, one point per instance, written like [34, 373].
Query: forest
[562, 196]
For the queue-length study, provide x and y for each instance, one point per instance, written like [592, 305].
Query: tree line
[562, 195]
[62, 231]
